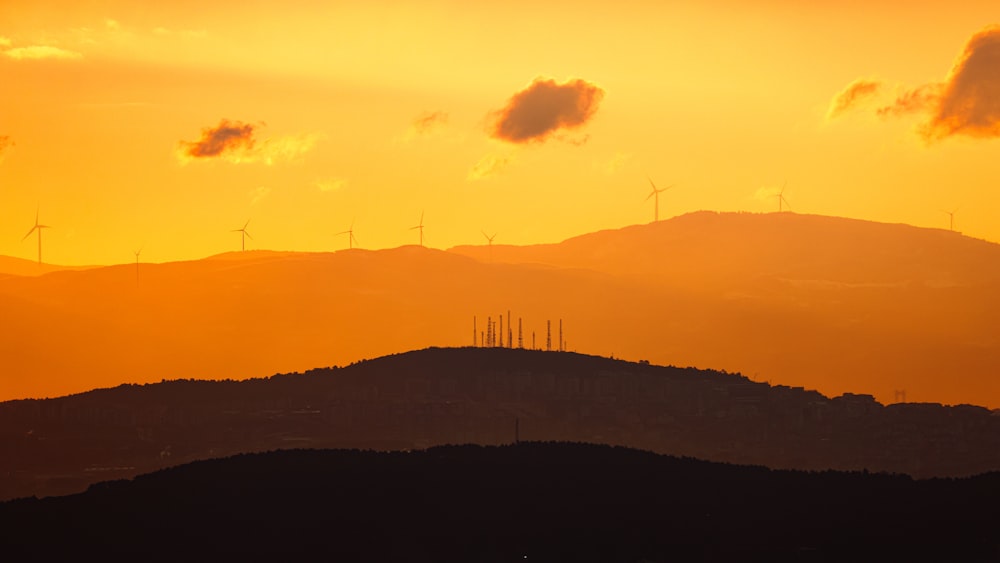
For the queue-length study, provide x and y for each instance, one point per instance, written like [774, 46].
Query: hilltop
[534, 501]
[485, 396]
[837, 305]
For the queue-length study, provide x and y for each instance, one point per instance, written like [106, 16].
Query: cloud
[914, 100]
[489, 165]
[111, 24]
[36, 52]
[331, 184]
[4, 42]
[969, 103]
[855, 93]
[235, 142]
[5, 143]
[614, 164]
[966, 103]
[428, 121]
[545, 107]
[425, 124]
[259, 193]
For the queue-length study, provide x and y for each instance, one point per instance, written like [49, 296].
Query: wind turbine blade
[654, 192]
[245, 224]
[248, 235]
[421, 218]
[343, 233]
[354, 238]
[29, 233]
[651, 183]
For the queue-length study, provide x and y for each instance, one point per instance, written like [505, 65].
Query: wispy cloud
[259, 193]
[614, 164]
[235, 142]
[966, 103]
[4, 42]
[545, 107]
[37, 52]
[331, 184]
[913, 100]
[5, 143]
[855, 93]
[426, 124]
[489, 165]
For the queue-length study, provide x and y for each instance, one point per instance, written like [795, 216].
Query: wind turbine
[137, 253]
[656, 194]
[351, 239]
[489, 241]
[38, 227]
[951, 218]
[245, 234]
[421, 227]
[781, 197]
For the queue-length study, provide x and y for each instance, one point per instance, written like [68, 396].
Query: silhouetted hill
[832, 304]
[11, 266]
[479, 395]
[531, 501]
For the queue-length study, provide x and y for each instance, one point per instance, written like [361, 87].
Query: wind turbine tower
[656, 195]
[420, 227]
[951, 219]
[244, 235]
[489, 242]
[781, 197]
[38, 227]
[548, 336]
[137, 252]
[351, 239]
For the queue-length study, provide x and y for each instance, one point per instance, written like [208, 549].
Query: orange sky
[726, 99]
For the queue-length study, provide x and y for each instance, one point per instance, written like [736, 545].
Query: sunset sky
[167, 125]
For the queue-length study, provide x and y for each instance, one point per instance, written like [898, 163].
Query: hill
[485, 396]
[830, 304]
[11, 266]
[534, 501]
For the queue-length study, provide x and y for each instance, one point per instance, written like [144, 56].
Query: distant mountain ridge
[484, 396]
[838, 305]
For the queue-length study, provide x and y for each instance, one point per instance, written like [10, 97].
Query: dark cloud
[545, 107]
[227, 138]
[916, 100]
[856, 92]
[970, 101]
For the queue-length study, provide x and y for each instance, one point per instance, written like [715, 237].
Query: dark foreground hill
[479, 395]
[526, 502]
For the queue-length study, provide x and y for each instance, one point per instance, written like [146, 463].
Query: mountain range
[837, 305]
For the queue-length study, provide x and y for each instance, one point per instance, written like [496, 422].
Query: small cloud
[5, 143]
[235, 142]
[4, 42]
[228, 137]
[489, 165]
[613, 165]
[428, 121]
[969, 103]
[111, 24]
[854, 94]
[161, 31]
[914, 100]
[36, 52]
[258, 194]
[425, 124]
[331, 184]
[545, 107]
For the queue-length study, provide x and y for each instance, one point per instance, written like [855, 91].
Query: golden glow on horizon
[371, 113]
